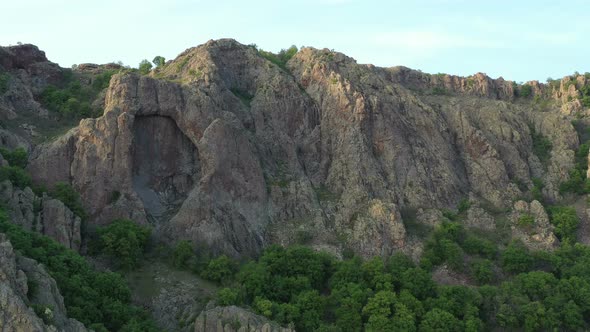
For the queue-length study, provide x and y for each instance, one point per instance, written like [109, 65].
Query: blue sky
[518, 40]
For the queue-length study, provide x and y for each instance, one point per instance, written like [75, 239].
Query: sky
[517, 40]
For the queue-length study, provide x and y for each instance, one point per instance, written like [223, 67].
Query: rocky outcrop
[530, 224]
[28, 72]
[234, 319]
[42, 214]
[59, 223]
[479, 85]
[222, 146]
[16, 273]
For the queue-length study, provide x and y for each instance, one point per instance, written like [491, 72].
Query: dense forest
[314, 291]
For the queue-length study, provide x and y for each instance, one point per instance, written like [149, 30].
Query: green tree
[439, 320]
[159, 61]
[66, 193]
[227, 296]
[483, 271]
[311, 308]
[516, 258]
[525, 91]
[220, 269]
[565, 221]
[145, 67]
[183, 255]
[16, 175]
[17, 157]
[403, 319]
[124, 242]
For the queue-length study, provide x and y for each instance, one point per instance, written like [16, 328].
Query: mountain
[237, 149]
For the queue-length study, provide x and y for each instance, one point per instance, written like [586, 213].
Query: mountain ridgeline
[302, 159]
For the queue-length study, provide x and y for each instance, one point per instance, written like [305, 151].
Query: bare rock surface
[221, 146]
[41, 214]
[234, 319]
[536, 235]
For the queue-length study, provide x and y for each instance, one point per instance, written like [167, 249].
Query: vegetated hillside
[232, 149]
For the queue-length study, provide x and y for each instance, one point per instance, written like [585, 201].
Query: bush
[516, 258]
[66, 193]
[17, 157]
[144, 67]
[183, 255]
[100, 300]
[541, 146]
[565, 221]
[4, 79]
[124, 242]
[525, 91]
[102, 80]
[159, 61]
[72, 102]
[537, 191]
[526, 220]
[220, 269]
[16, 175]
[482, 271]
[281, 58]
[463, 205]
[227, 296]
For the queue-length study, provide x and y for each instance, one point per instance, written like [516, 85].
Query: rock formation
[45, 215]
[16, 272]
[222, 146]
[234, 319]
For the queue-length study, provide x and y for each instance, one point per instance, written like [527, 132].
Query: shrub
[482, 271]
[516, 258]
[537, 191]
[17, 157]
[541, 146]
[4, 79]
[220, 269]
[159, 61]
[183, 255]
[565, 221]
[525, 91]
[263, 307]
[439, 91]
[281, 58]
[16, 175]
[526, 220]
[144, 67]
[227, 296]
[100, 300]
[463, 205]
[124, 242]
[102, 80]
[66, 193]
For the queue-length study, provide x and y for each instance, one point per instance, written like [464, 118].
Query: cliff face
[16, 273]
[222, 146]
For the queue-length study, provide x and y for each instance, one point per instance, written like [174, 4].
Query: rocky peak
[21, 56]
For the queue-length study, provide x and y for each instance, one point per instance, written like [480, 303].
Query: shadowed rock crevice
[165, 165]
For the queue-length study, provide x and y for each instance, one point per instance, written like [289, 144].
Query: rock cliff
[222, 146]
[16, 299]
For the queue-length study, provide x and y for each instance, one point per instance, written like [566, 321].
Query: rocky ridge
[244, 152]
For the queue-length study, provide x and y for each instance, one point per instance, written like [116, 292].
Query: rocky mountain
[226, 147]
[222, 146]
